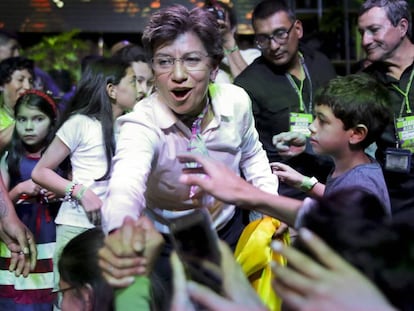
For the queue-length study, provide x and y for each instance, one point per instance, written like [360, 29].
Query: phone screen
[196, 244]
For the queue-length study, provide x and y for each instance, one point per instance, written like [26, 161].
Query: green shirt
[134, 297]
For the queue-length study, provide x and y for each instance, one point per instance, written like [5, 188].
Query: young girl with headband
[36, 116]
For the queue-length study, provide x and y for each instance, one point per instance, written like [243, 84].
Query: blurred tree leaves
[60, 52]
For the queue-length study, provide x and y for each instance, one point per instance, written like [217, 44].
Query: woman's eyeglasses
[191, 61]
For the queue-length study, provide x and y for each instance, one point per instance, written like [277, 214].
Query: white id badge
[299, 122]
[398, 160]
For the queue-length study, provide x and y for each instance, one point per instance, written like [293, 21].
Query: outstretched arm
[228, 187]
[295, 179]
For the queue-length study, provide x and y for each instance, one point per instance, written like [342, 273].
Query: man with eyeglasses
[281, 83]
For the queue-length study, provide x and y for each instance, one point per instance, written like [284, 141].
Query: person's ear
[403, 27]
[358, 134]
[111, 91]
[214, 72]
[87, 294]
[298, 28]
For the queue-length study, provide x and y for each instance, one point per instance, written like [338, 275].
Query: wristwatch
[308, 183]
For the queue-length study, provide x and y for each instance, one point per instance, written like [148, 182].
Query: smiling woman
[16, 77]
[188, 112]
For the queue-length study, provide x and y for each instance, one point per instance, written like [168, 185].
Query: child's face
[32, 125]
[126, 95]
[145, 78]
[327, 132]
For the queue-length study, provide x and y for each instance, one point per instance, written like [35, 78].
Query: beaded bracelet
[81, 192]
[69, 191]
[233, 49]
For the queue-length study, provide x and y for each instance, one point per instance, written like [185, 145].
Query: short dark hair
[395, 9]
[357, 99]
[9, 65]
[78, 266]
[132, 53]
[266, 8]
[167, 24]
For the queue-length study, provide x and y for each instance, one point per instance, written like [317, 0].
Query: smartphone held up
[196, 243]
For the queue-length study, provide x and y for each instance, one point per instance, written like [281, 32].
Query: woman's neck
[188, 119]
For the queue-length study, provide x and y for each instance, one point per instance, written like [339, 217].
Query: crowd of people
[93, 187]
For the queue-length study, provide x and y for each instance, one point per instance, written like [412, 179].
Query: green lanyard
[406, 100]
[299, 91]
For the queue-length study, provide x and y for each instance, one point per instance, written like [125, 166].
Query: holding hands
[28, 190]
[29, 187]
[129, 251]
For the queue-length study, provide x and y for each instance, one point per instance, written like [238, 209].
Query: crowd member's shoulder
[315, 59]
[251, 71]
[311, 52]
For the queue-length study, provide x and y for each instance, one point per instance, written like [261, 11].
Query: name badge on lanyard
[299, 122]
[399, 159]
[405, 132]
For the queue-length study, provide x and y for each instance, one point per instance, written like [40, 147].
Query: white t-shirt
[83, 136]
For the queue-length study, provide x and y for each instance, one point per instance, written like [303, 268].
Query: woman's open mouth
[180, 94]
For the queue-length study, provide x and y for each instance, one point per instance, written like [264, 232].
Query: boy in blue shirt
[351, 112]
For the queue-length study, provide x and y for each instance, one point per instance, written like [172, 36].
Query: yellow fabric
[254, 254]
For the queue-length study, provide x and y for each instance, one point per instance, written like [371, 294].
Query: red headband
[44, 96]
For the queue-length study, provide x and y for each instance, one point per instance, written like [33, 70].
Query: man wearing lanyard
[385, 27]
[281, 83]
